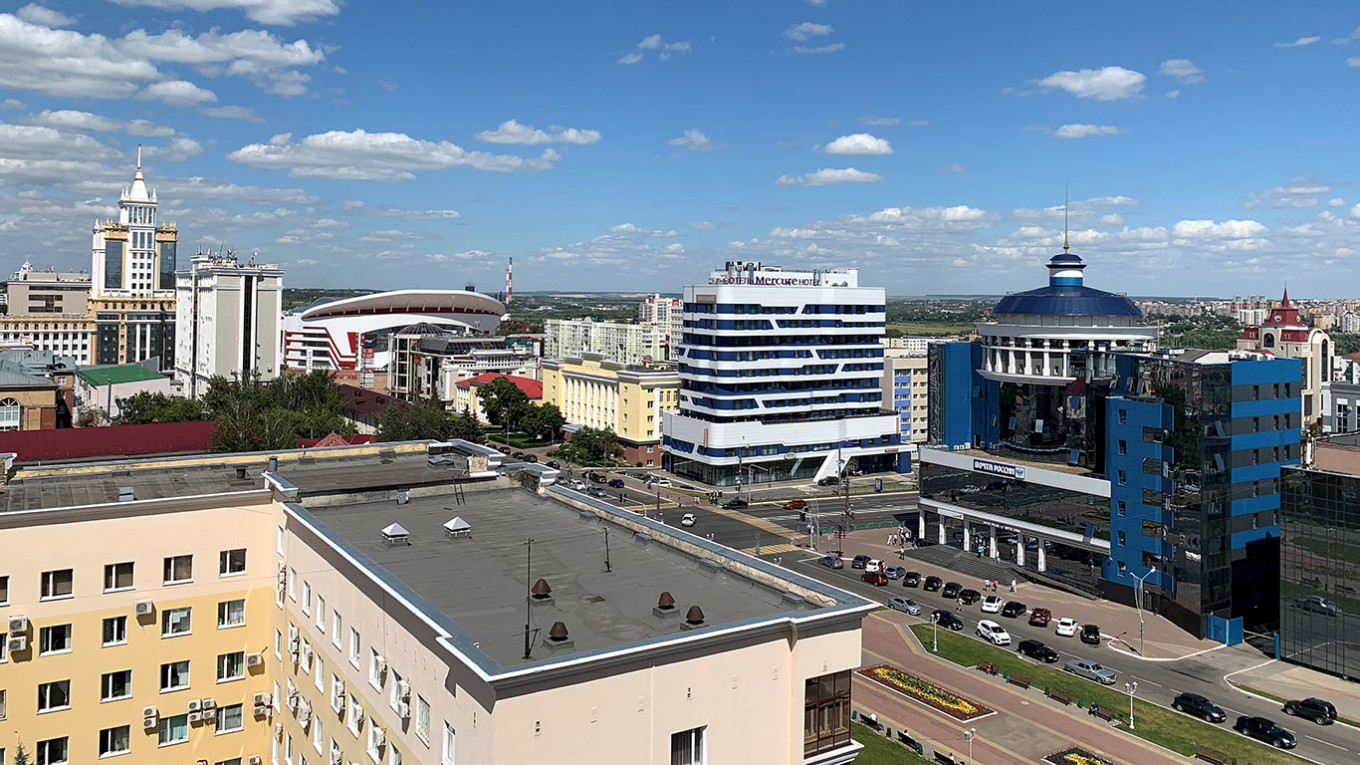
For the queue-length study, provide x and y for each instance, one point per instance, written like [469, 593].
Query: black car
[1090, 633]
[554, 464]
[518, 455]
[951, 590]
[860, 561]
[969, 597]
[616, 483]
[1317, 710]
[1035, 649]
[946, 619]
[595, 477]
[830, 480]
[531, 457]
[1197, 705]
[1265, 730]
[932, 584]
[1014, 609]
[911, 579]
[735, 504]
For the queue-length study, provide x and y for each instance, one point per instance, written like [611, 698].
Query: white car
[992, 604]
[1067, 627]
[873, 565]
[688, 519]
[661, 482]
[993, 632]
[577, 484]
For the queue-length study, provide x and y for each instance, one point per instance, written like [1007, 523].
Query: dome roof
[1067, 300]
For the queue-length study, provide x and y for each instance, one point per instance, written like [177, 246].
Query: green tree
[466, 427]
[21, 756]
[146, 407]
[502, 401]
[250, 415]
[419, 420]
[593, 446]
[91, 417]
[541, 423]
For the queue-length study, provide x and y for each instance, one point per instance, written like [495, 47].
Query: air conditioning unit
[254, 759]
[293, 644]
[380, 664]
[278, 730]
[149, 723]
[336, 757]
[404, 710]
[150, 712]
[263, 699]
[304, 714]
[338, 703]
[145, 607]
[209, 704]
[379, 737]
[358, 716]
[17, 643]
[195, 705]
[262, 710]
[254, 659]
[306, 654]
[292, 701]
[403, 690]
[195, 717]
[18, 624]
[394, 757]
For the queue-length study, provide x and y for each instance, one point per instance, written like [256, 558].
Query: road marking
[771, 549]
[1328, 743]
[1145, 680]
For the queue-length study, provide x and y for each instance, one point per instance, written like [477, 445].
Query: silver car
[1091, 670]
[907, 605]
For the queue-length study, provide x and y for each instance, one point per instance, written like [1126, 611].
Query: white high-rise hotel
[227, 321]
[781, 377]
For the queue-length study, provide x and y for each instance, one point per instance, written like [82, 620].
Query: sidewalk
[1163, 640]
[1025, 728]
[1291, 681]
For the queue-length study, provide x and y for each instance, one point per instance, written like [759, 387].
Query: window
[1123, 417]
[56, 584]
[175, 621]
[174, 676]
[115, 685]
[231, 562]
[292, 584]
[232, 761]
[354, 647]
[422, 718]
[117, 576]
[4, 595]
[288, 748]
[320, 614]
[352, 715]
[687, 747]
[115, 630]
[278, 644]
[115, 740]
[1123, 508]
[54, 639]
[230, 719]
[10, 415]
[53, 751]
[173, 730]
[306, 598]
[319, 672]
[179, 569]
[1123, 446]
[374, 750]
[1121, 538]
[3, 710]
[53, 696]
[394, 695]
[1123, 478]
[337, 623]
[376, 668]
[826, 713]
[278, 543]
[231, 613]
[449, 740]
[318, 738]
[231, 666]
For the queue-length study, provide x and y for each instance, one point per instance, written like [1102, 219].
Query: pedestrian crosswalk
[775, 549]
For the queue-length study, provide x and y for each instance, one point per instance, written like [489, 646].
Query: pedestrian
[696, 500]
[986, 585]
[1012, 585]
[901, 553]
[959, 608]
[979, 551]
[996, 583]
[1095, 708]
[890, 538]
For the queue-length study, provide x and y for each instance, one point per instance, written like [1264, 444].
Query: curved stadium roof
[408, 301]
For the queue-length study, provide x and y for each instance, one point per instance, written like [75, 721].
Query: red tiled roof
[112, 441]
[335, 439]
[532, 388]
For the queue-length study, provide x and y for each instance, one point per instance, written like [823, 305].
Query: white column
[992, 547]
[966, 537]
[1047, 361]
[1020, 551]
[921, 523]
[1042, 564]
[942, 529]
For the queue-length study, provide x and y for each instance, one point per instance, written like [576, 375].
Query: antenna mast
[1065, 216]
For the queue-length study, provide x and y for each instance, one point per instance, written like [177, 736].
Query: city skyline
[638, 149]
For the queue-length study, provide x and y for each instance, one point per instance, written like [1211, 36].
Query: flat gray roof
[481, 582]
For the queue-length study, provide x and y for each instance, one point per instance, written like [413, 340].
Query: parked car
[1090, 634]
[1317, 710]
[736, 504]
[1039, 617]
[1199, 706]
[616, 483]
[1264, 729]
[797, 504]
[688, 519]
[831, 561]
[531, 457]
[905, 605]
[874, 564]
[1318, 605]
[596, 491]
[932, 584]
[1036, 649]
[830, 480]
[518, 455]
[951, 590]
[576, 484]
[661, 482]
[895, 572]
[969, 597]
[992, 604]
[874, 577]
[1067, 627]
[911, 579]
[503, 449]
[946, 619]
[993, 633]
[859, 561]
[595, 477]
[554, 464]
[1014, 609]
[1091, 670]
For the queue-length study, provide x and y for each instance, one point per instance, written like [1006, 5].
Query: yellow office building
[594, 392]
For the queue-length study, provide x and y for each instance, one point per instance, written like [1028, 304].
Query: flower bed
[929, 694]
[1075, 755]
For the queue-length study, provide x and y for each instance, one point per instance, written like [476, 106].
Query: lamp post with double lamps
[935, 641]
[969, 735]
[1131, 688]
[1138, 601]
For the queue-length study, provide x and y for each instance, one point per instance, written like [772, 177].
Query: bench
[987, 667]
[1058, 694]
[1019, 680]
[1106, 714]
[1213, 755]
[944, 758]
[871, 722]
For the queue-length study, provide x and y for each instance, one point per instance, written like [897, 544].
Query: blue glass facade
[963, 403]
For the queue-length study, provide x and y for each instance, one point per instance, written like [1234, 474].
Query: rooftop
[124, 373]
[532, 388]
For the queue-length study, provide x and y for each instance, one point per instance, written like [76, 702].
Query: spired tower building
[132, 296]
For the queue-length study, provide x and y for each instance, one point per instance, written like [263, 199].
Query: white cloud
[512, 132]
[828, 177]
[694, 140]
[279, 12]
[404, 214]
[85, 122]
[1336, 202]
[859, 145]
[1174, 93]
[176, 93]
[807, 30]
[1078, 210]
[630, 58]
[44, 16]
[1182, 69]
[1353, 61]
[1111, 83]
[62, 62]
[629, 228]
[656, 43]
[702, 225]
[360, 155]
[1299, 43]
[817, 3]
[35, 142]
[1228, 229]
[1111, 219]
[1085, 131]
[956, 168]
[254, 54]
[12, 103]
[880, 121]
[1298, 193]
[233, 113]
[1352, 37]
[832, 48]
[919, 123]
[180, 149]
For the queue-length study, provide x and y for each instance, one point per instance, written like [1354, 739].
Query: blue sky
[633, 146]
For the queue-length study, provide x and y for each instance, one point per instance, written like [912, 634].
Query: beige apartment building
[595, 392]
[367, 605]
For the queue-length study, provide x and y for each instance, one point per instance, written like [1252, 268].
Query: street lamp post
[935, 641]
[1131, 688]
[1138, 601]
[969, 735]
